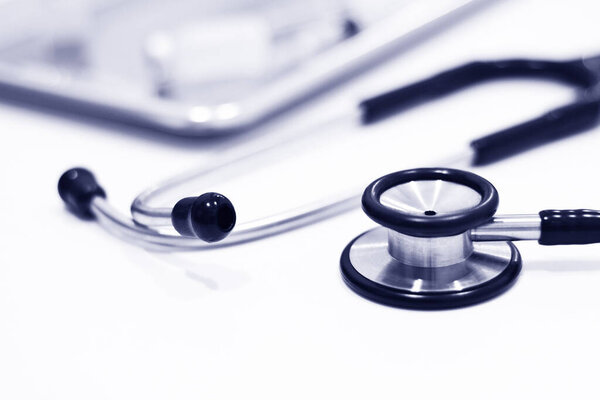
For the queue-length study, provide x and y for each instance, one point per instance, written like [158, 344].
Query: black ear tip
[209, 217]
[77, 187]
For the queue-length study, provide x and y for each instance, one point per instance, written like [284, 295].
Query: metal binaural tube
[127, 228]
[509, 227]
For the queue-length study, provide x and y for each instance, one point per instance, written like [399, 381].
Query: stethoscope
[440, 244]
[208, 221]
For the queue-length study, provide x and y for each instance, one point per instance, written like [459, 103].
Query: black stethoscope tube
[560, 227]
[556, 124]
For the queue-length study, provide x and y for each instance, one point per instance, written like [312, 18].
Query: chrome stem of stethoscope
[509, 227]
[447, 250]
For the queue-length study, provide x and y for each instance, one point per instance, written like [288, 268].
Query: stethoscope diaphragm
[423, 255]
[440, 244]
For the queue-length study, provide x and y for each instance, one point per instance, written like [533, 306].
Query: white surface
[86, 316]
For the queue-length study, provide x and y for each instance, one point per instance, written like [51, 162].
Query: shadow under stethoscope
[217, 277]
[213, 276]
[564, 266]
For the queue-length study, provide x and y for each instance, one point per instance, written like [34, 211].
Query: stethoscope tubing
[144, 225]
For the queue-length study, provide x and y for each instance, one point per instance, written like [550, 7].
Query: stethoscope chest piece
[423, 255]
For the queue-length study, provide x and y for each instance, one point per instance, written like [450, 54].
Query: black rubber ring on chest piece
[433, 300]
[430, 226]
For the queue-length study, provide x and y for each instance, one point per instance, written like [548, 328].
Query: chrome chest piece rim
[423, 256]
[369, 270]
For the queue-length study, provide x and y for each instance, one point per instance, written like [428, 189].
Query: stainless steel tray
[98, 70]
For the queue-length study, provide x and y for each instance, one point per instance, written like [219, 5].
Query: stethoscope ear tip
[209, 217]
[77, 187]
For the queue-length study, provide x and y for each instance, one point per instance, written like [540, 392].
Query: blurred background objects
[139, 91]
[196, 67]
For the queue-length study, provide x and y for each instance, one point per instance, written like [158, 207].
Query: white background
[86, 316]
